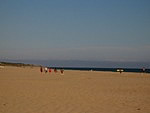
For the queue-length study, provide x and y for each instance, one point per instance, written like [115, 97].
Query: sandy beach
[26, 90]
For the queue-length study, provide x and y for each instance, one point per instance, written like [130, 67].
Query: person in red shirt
[50, 70]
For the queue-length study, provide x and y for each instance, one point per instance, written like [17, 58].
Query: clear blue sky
[92, 30]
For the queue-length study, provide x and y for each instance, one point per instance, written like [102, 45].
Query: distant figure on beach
[50, 70]
[62, 71]
[143, 69]
[55, 70]
[45, 69]
[41, 69]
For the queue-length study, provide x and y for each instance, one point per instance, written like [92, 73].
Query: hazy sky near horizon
[94, 30]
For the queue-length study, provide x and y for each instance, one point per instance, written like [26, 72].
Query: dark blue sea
[104, 69]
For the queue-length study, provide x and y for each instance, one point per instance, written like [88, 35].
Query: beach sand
[26, 90]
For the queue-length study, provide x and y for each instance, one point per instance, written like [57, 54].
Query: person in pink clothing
[55, 70]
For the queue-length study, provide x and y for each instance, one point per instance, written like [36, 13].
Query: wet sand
[26, 90]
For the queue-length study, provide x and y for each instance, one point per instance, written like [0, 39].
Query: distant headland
[17, 64]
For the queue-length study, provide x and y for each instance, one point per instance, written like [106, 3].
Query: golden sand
[26, 90]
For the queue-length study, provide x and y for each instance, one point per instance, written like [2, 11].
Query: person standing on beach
[50, 70]
[45, 69]
[41, 69]
[55, 70]
[143, 69]
[62, 72]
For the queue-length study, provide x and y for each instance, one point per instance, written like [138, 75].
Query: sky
[75, 30]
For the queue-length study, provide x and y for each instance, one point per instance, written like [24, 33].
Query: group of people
[45, 69]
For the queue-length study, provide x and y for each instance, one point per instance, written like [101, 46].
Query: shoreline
[114, 70]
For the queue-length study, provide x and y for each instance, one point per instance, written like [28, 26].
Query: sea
[137, 70]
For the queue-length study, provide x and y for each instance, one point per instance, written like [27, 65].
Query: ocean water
[104, 69]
